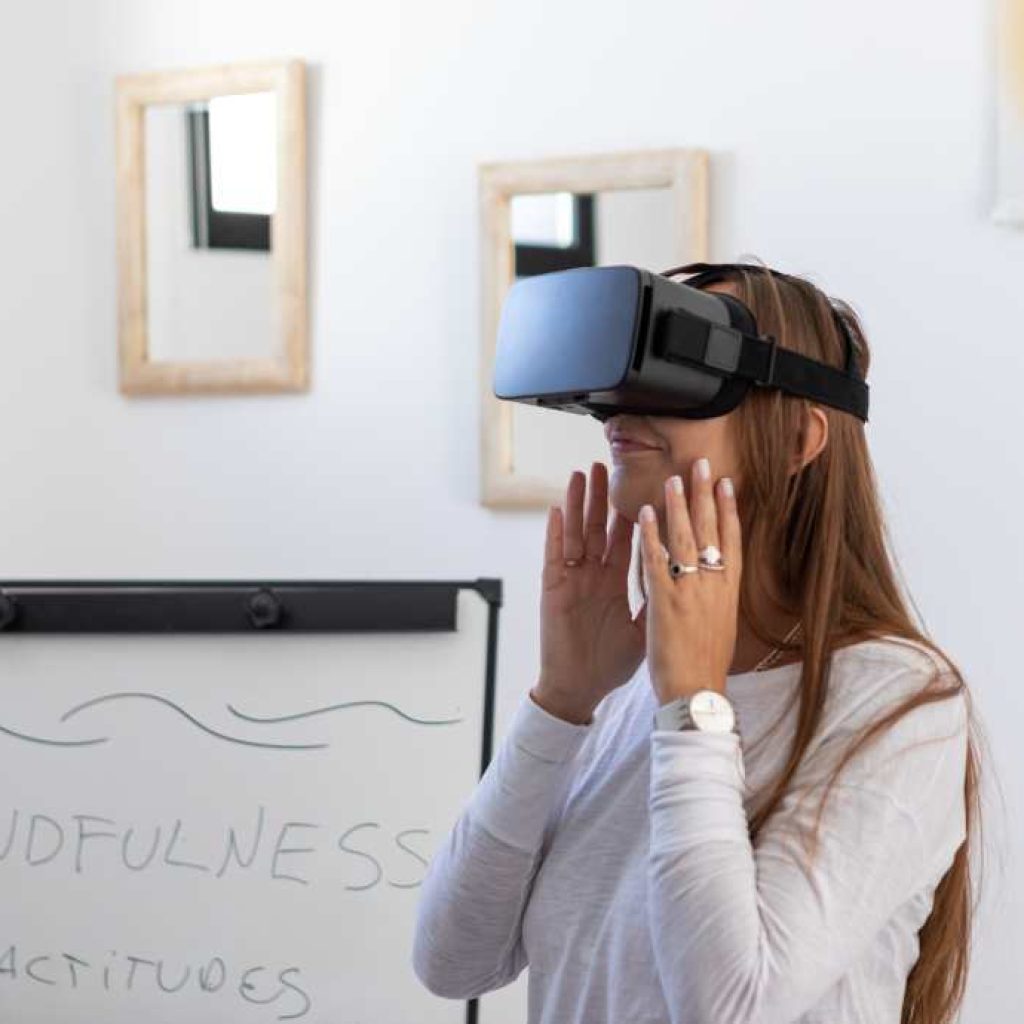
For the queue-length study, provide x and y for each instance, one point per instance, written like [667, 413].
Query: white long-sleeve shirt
[615, 860]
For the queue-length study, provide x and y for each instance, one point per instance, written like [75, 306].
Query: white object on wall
[1009, 204]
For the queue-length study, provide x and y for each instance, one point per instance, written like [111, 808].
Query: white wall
[851, 143]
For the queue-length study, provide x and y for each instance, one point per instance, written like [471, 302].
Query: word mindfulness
[359, 857]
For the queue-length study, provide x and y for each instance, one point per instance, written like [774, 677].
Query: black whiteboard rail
[208, 606]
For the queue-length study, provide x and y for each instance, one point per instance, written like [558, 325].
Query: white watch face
[711, 711]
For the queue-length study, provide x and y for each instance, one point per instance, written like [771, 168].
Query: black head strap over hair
[764, 362]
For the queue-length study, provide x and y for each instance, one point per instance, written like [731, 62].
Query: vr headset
[599, 341]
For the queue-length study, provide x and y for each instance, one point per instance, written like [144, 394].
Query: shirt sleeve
[467, 938]
[758, 934]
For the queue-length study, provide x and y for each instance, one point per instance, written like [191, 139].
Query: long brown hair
[818, 539]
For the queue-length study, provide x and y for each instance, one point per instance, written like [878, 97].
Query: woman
[810, 864]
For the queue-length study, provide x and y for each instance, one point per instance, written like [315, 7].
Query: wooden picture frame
[684, 171]
[287, 368]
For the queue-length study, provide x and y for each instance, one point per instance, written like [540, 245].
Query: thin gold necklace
[773, 655]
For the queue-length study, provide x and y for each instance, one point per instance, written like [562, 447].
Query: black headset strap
[706, 273]
[767, 364]
[763, 362]
[682, 337]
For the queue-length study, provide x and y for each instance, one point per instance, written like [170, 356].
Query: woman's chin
[627, 496]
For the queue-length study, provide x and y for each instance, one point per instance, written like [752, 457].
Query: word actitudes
[278, 989]
[84, 841]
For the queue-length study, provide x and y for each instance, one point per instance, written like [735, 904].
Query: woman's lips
[620, 447]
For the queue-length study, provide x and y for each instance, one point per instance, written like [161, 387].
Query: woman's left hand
[691, 618]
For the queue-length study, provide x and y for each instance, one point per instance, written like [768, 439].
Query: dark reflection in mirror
[211, 193]
[554, 231]
[231, 164]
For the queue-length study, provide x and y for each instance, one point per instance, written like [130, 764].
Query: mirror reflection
[559, 230]
[211, 191]
[553, 231]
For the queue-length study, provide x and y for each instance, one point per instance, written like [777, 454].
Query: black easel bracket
[208, 606]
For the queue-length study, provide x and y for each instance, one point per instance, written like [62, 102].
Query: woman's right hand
[589, 642]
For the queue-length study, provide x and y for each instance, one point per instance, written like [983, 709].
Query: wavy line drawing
[51, 743]
[275, 719]
[195, 721]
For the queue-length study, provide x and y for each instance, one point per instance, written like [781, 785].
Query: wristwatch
[704, 710]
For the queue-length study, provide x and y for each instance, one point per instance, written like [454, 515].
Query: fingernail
[703, 469]
[647, 514]
[727, 487]
[676, 483]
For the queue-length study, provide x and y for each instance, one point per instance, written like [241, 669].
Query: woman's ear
[813, 437]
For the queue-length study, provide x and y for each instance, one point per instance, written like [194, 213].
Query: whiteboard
[231, 827]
